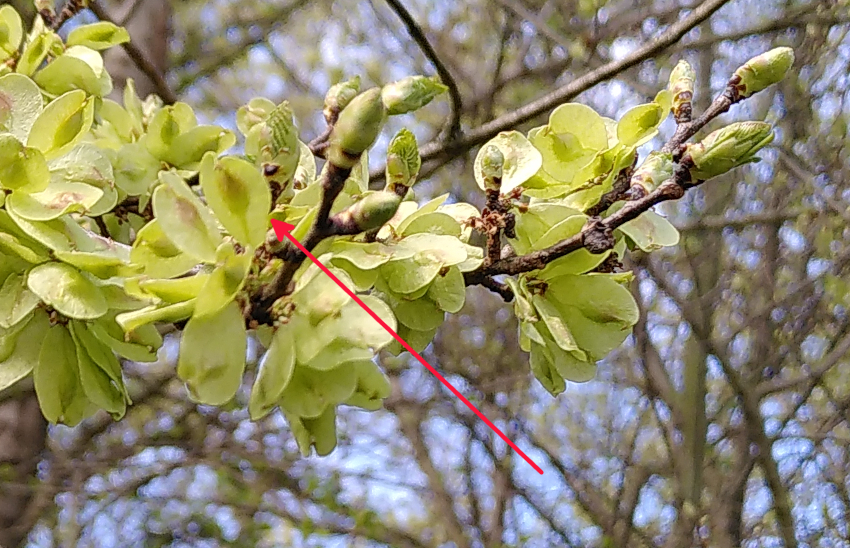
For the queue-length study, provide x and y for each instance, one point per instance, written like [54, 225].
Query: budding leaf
[727, 148]
[255, 112]
[657, 168]
[403, 162]
[411, 93]
[681, 86]
[371, 212]
[521, 160]
[357, 128]
[338, 97]
[764, 70]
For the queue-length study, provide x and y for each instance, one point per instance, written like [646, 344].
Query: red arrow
[282, 230]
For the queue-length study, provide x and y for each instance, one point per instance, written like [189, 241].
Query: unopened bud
[763, 70]
[403, 162]
[371, 212]
[492, 164]
[411, 93]
[657, 168]
[357, 128]
[255, 112]
[727, 148]
[682, 89]
[338, 97]
[275, 141]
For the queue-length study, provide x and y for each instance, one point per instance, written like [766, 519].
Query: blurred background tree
[722, 422]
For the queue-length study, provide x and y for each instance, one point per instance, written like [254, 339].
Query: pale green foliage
[74, 301]
[728, 148]
[764, 70]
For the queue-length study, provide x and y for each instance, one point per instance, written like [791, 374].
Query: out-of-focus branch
[444, 505]
[140, 59]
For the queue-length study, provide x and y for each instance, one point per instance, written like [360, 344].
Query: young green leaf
[274, 374]
[239, 196]
[98, 36]
[67, 290]
[21, 348]
[20, 104]
[62, 124]
[212, 355]
[184, 219]
[22, 168]
[57, 379]
[521, 160]
[16, 301]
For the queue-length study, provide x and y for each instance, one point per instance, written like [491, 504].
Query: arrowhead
[281, 229]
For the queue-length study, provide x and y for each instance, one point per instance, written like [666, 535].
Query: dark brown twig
[332, 183]
[318, 145]
[595, 236]
[721, 104]
[69, 10]
[421, 40]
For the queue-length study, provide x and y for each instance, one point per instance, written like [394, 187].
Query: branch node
[597, 237]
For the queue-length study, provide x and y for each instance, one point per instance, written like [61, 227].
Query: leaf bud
[338, 97]
[763, 70]
[255, 112]
[411, 93]
[727, 148]
[657, 168]
[492, 164]
[373, 211]
[403, 162]
[357, 128]
[682, 89]
[274, 140]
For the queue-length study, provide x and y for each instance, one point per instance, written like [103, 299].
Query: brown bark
[23, 431]
[149, 25]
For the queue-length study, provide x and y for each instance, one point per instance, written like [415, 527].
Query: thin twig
[69, 10]
[421, 40]
[446, 151]
[596, 234]
[140, 59]
[332, 183]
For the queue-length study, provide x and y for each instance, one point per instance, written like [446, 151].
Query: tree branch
[140, 59]
[451, 149]
[332, 183]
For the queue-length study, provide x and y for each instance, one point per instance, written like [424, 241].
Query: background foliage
[733, 387]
